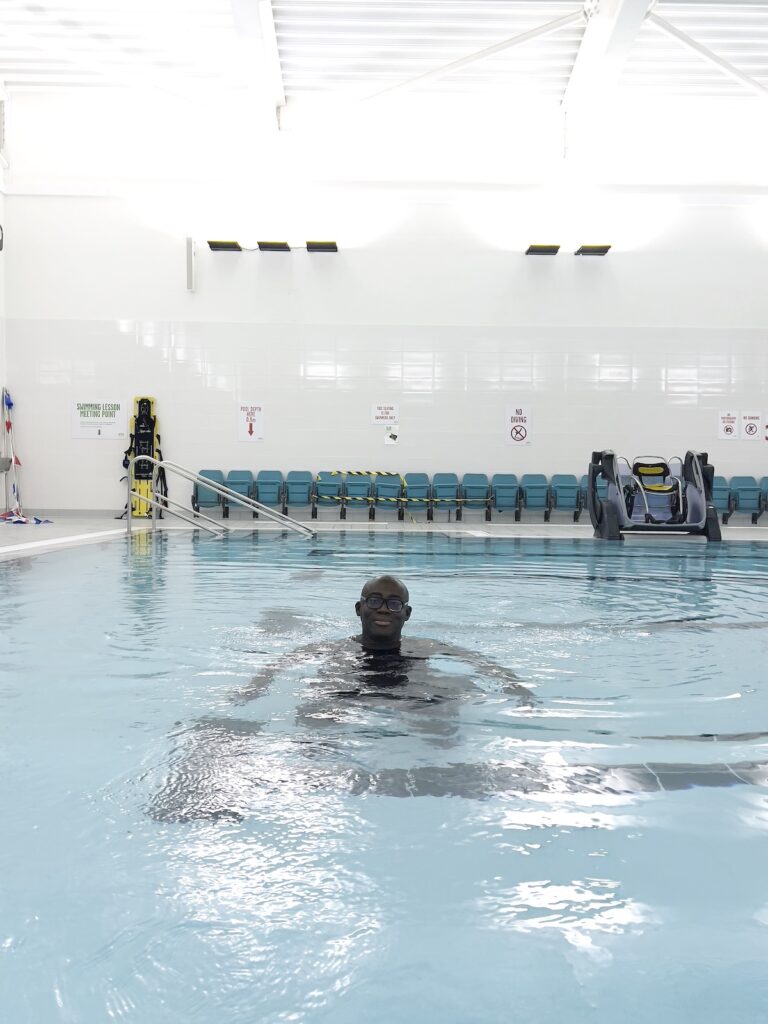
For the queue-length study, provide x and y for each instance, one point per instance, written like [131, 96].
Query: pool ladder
[215, 527]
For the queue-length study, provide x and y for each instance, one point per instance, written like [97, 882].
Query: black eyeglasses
[375, 601]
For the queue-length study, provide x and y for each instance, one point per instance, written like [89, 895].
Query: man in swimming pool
[378, 662]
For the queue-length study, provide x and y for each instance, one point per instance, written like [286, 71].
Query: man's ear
[358, 606]
[408, 611]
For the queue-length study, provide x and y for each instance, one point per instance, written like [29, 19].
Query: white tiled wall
[638, 351]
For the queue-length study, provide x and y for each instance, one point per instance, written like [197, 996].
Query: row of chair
[740, 494]
[503, 492]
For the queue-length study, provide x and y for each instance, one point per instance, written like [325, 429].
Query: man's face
[381, 623]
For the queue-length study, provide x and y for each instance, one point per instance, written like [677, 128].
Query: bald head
[390, 583]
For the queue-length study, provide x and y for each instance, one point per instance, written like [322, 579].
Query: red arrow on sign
[250, 429]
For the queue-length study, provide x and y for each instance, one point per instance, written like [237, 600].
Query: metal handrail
[192, 477]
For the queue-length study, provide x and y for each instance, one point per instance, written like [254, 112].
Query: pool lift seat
[647, 496]
[653, 493]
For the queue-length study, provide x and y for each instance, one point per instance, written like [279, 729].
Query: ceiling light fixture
[322, 247]
[273, 247]
[542, 250]
[225, 246]
[592, 250]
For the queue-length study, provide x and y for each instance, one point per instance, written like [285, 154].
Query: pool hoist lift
[651, 496]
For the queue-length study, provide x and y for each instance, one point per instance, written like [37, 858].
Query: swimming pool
[172, 853]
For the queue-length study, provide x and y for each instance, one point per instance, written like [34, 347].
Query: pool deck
[69, 528]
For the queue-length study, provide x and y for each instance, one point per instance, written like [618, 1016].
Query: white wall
[638, 351]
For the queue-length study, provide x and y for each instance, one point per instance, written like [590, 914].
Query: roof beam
[612, 27]
[725, 66]
[473, 58]
[256, 23]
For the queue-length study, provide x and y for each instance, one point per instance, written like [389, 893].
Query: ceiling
[352, 49]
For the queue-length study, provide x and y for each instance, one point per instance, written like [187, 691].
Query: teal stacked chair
[416, 493]
[388, 494]
[298, 491]
[357, 493]
[534, 488]
[565, 494]
[445, 493]
[328, 491]
[721, 497]
[601, 486]
[476, 492]
[268, 488]
[505, 493]
[241, 482]
[746, 495]
[205, 497]
[763, 496]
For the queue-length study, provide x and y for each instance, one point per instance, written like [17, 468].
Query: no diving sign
[518, 425]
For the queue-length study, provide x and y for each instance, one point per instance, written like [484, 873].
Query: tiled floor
[77, 527]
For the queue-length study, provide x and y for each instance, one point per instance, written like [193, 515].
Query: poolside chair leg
[487, 515]
[517, 515]
[430, 515]
[458, 515]
[314, 512]
[547, 514]
[225, 511]
[400, 514]
[342, 512]
[371, 512]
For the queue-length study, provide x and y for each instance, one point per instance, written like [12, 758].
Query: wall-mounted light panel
[542, 250]
[592, 250]
[322, 247]
[225, 246]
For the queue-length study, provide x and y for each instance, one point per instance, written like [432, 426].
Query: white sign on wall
[728, 426]
[518, 425]
[752, 426]
[250, 421]
[100, 420]
[385, 412]
[392, 434]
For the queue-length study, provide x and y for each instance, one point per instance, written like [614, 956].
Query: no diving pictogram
[519, 433]
[751, 429]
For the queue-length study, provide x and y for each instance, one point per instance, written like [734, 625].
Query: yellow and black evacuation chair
[145, 440]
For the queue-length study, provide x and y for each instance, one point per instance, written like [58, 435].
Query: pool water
[173, 852]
